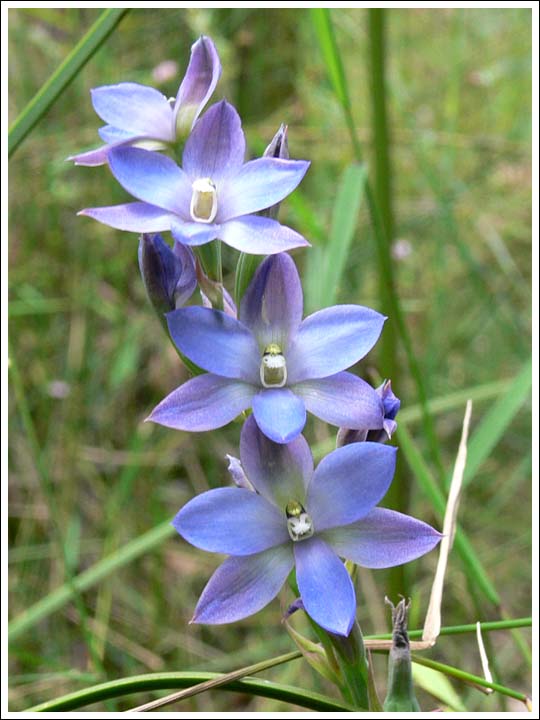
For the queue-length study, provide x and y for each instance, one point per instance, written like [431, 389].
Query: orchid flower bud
[168, 274]
[390, 408]
[278, 148]
[400, 695]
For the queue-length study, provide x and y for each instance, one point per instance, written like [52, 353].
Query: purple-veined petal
[216, 342]
[279, 414]
[242, 586]
[343, 399]
[203, 403]
[259, 184]
[198, 84]
[232, 521]
[187, 282]
[348, 483]
[383, 538]
[333, 339]
[190, 233]
[325, 586]
[272, 304]
[133, 217]
[134, 108]
[216, 146]
[153, 178]
[279, 472]
[260, 235]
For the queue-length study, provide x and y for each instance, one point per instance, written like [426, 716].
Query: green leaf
[170, 681]
[62, 77]
[331, 56]
[497, 420]
[438, 685]
[326, 267]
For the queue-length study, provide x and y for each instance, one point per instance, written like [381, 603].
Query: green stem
[62, 77]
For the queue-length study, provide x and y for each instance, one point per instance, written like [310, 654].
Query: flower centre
[203, 206]
[299, 523]
[273, 367]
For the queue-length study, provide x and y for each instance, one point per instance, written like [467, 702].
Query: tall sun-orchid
[140, 115]
[273, 361]
[213, 195]
[301, 518]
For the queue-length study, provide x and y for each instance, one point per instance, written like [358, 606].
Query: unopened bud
[400, 695]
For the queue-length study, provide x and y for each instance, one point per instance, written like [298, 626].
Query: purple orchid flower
[214, 194]
[138, 114]
[271, 360]
[303, 518]
[391, 405]
[169, 275]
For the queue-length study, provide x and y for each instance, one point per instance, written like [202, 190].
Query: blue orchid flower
[301, 518]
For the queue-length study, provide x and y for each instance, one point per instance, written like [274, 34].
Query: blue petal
[216, 146]
[153, 178]
[382, 539]
[133, 217]
[135, 108]
[244, 585]
[112, 135]
[348, 483]
[190, 233]
[216, 342]
[279, 414]
[343, 399]
[333, 339]
[232, 521]
[260, 235]
[279, 472]
[198, 84]
[259, 184]
[272, 304]
[325, 586]
[203, 403]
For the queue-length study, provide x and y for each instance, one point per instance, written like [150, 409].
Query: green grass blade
[472, 565]
[326, 267]
[113, 562]
[171, 681]
[496, 421]
[61, 78]
[332, 59]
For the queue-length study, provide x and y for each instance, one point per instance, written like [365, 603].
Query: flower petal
[383, 538]
[325, 586]
[216, 146]
[348, 483]
[242, 586]
[231, 521]
[135, 108]
[272, 304]
[333, 339]
[133, 217]
[279, 414]
[343, 399]
[190, 233]
[260, 235]
[153, 178]
[279, 472]
[198, 84]
[203, 403]
[91, 158]
[216, 342]
[259, 184]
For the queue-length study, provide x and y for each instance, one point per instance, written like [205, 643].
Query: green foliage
[100, 586]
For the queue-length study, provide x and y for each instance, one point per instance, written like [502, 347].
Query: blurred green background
[89, 360]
